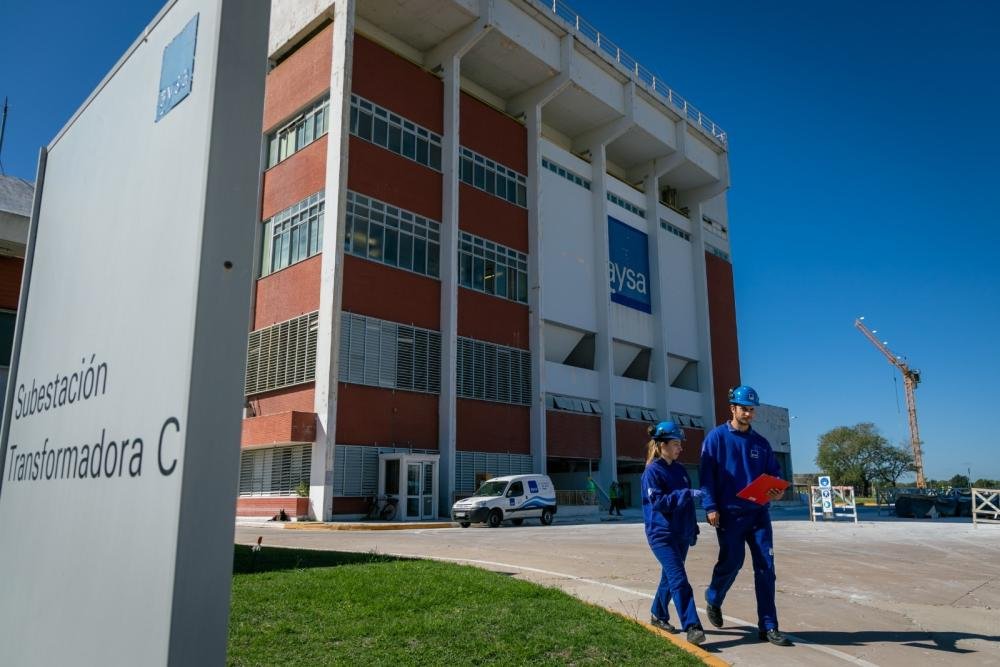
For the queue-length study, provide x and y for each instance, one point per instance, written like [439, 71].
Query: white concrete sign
[120, 451]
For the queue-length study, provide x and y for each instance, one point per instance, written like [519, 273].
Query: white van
[515, 497]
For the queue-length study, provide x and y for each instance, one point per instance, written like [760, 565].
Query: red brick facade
[722, 321]
[288, 293]
[299, 79]
[11, 269]
[572, 435]
[492, 427]
[279, 429]
[375, 416]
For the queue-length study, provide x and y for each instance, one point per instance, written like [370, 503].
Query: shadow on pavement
[270, 559]
[936, 641]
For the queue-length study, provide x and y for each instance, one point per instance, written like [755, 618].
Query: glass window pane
[406, 251]
[307, 135]
[479, 176]
[501, 280]
[421, 150]
[501, 187]
[360, 237]
[489, 277]
[491, 182]
[435, 157]
[522, 288]
[467, 170]
[420, 255]
[375, 242]
[354, 120]
[409, 145]
[365, 126]
[395, 139]
[303, 250]
[433, 259]
[391, 248]
[512, 281]
[522, 195]
[465, 269]
[380, 132]
[478, 269]
[313, 236]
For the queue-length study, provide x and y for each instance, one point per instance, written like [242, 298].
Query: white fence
[985, 506]
[837, 503]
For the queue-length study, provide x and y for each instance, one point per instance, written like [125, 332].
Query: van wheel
[546, 517]
[464, 524]
[517, 522]
[495, 519]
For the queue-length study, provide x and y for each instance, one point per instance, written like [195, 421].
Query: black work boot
[696, 634]
[774, 636]
[714, 615]
[661, 624]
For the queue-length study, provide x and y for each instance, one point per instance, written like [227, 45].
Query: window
[355, 469]
[383, 128]
[484, 174]
[570, 176]
[275, 471]
[715, 251]
[635, 413]
[627, 205]
[391, 235]
[572, 404]
[676, 231]
[489, 267]
[516, 490]
[293, 235]
[282, 355]
[471, 467]
[380, 353]
[491, 372]
[301, 131]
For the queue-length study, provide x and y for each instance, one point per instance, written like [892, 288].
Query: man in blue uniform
[732, 456]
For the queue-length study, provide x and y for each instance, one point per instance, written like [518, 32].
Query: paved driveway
[877, 592]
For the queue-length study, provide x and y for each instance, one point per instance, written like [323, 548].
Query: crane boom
[911, 378]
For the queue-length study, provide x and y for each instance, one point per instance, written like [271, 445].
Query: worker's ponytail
[652, 450]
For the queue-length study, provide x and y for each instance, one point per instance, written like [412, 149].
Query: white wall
[678, 285]
[570, 381]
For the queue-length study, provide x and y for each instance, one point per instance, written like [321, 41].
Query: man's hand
[774, 494]
[713, 519]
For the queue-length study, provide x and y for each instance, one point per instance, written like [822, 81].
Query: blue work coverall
[731, 459]
[671, 527]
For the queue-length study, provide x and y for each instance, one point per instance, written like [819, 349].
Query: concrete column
[603, 356]
[447, 407]
[332, 268]
[658, 272]
[705, 384]
[536, 331]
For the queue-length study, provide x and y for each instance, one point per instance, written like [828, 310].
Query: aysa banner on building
[628, 266]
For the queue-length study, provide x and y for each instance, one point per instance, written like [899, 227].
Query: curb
[318, 525]
[698, 652]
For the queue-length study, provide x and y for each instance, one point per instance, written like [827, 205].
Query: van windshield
[491, 489]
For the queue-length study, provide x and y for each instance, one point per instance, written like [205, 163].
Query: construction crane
[911, 378]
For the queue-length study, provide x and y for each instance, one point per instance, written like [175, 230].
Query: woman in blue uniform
[668, 511]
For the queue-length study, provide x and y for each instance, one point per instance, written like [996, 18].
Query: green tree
[859, 455]
[983, 483]
[958, 481]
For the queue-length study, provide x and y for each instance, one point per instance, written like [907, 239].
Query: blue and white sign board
[628, 267]
[825, 492]
[177, 69]
[119, 454]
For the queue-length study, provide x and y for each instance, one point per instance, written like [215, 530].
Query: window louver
[282, 355]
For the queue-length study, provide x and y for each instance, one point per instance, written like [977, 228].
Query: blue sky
[863, 154]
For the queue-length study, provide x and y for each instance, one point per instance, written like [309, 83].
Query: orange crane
[911, 378]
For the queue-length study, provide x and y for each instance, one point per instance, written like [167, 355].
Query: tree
[983, 483]
[958, 481]
[859, 455]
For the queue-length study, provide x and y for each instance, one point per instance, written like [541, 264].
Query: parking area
[879, 592]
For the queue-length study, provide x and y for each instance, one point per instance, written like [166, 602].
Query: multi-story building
[491, 242]
[15, 212]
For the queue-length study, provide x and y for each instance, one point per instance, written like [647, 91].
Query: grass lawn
[293, 607]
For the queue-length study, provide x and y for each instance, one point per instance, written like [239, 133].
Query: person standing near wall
[615, 496]
[671, 528]
[732, 456]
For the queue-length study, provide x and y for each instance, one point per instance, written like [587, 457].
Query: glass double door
[420, 490]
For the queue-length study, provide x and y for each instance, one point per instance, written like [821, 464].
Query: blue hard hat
[744, 395]
[667, 430]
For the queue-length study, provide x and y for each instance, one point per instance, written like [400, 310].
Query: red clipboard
[756, 491]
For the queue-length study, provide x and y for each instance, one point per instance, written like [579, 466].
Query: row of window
[687, 421]
[382, 127]
[391, 235]
[492, 268]
[491, 372]
[282, 355]
[676, 231]
[635, 413]
[275, 471]
[492, 177]
[627, 205]
[355, 469]
[293, 235]
[385, 354]
[584, 183]
[572, 404]
[301, 131]
[717, 252]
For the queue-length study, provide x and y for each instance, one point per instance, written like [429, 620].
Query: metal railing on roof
[630, 64]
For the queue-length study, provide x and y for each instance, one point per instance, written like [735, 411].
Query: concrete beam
[706, 192]
[541, 94]
[458, 44]
[607, 133]
[665, 163]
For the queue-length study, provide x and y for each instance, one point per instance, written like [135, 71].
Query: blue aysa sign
[628, 267]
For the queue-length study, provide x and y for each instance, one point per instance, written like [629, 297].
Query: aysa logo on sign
[628, 268]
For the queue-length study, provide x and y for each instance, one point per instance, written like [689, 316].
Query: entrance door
[420, 490]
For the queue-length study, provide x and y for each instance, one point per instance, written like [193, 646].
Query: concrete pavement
[882, 592]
